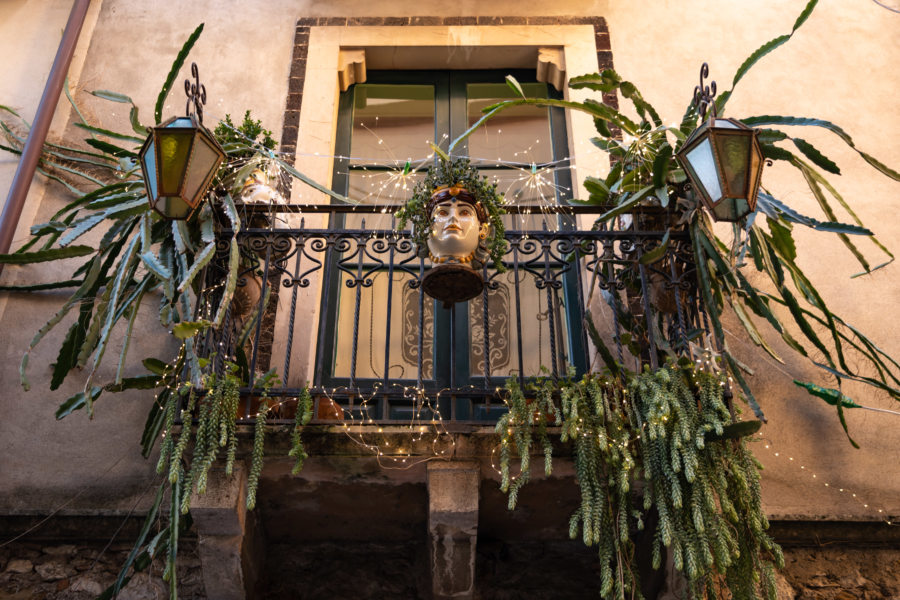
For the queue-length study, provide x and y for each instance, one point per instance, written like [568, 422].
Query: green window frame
[451, 119]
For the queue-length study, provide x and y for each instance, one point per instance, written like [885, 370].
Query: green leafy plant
[645, 173]
[249, 147]
[140, 255]
[459, 172]
[663, 442]
[230, 135]
[667, 436]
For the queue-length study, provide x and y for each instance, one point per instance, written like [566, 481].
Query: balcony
[343, 312]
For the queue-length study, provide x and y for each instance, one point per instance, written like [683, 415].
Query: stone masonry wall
[839, 572]
[33, 571]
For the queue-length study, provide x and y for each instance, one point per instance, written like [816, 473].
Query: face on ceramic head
[455, 228]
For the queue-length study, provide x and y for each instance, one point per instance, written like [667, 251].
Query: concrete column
[228, 538]
[453, 527]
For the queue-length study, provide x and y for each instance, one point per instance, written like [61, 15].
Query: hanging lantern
[722, 159]
[180, 158]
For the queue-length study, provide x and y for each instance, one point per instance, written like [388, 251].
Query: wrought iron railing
[343, 311]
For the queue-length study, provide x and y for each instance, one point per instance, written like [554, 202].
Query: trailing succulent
[455, 172]
[660, 444]
[216, 412]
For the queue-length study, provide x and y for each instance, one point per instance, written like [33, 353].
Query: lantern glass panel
[733, 152]
[149, 164]
[731, 209]
[174, 150]
[204, 160]
[173, 207]
[725, 124]
[703, 164]
[755, 171]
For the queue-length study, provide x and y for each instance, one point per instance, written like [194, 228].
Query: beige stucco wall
[840, 66]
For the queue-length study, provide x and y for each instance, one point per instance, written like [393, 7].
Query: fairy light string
[426, 426]
[427, 423]
[813, 477]
[525, 180]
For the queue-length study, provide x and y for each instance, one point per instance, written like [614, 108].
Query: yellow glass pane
[174, 150]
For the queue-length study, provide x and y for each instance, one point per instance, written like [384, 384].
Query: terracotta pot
[329, 410]
[246, 296]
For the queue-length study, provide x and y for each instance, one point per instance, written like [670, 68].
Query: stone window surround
[310, 126]
[396, 42]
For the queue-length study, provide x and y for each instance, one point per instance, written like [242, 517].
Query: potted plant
[645, 174]
[456, 220]
[249, 176]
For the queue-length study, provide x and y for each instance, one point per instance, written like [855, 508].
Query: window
[386, 122]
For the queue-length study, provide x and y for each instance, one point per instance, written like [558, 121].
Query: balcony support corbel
[351, 67]
[453, 489]
[551, 67]
[229, 545]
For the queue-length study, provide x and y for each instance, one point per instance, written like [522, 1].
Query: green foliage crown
[449, 172]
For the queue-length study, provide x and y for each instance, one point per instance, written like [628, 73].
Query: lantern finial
[180, 157]
[196, 94]
[704, 94]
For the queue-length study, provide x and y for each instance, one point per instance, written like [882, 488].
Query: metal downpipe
[31, 154]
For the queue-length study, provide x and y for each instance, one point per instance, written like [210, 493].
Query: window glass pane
[391, 123]
[388, 189]
[537, 191]
[174, 149]
[372, 326]
[520, 134]
[539, 336]
[527, 186]
[382, 187]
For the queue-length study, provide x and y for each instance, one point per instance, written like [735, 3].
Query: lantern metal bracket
[196, 94]
[704, 94]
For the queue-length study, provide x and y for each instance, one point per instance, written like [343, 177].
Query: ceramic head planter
[455, 215]
[261, 187]
[459, 226]
[258, 188]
